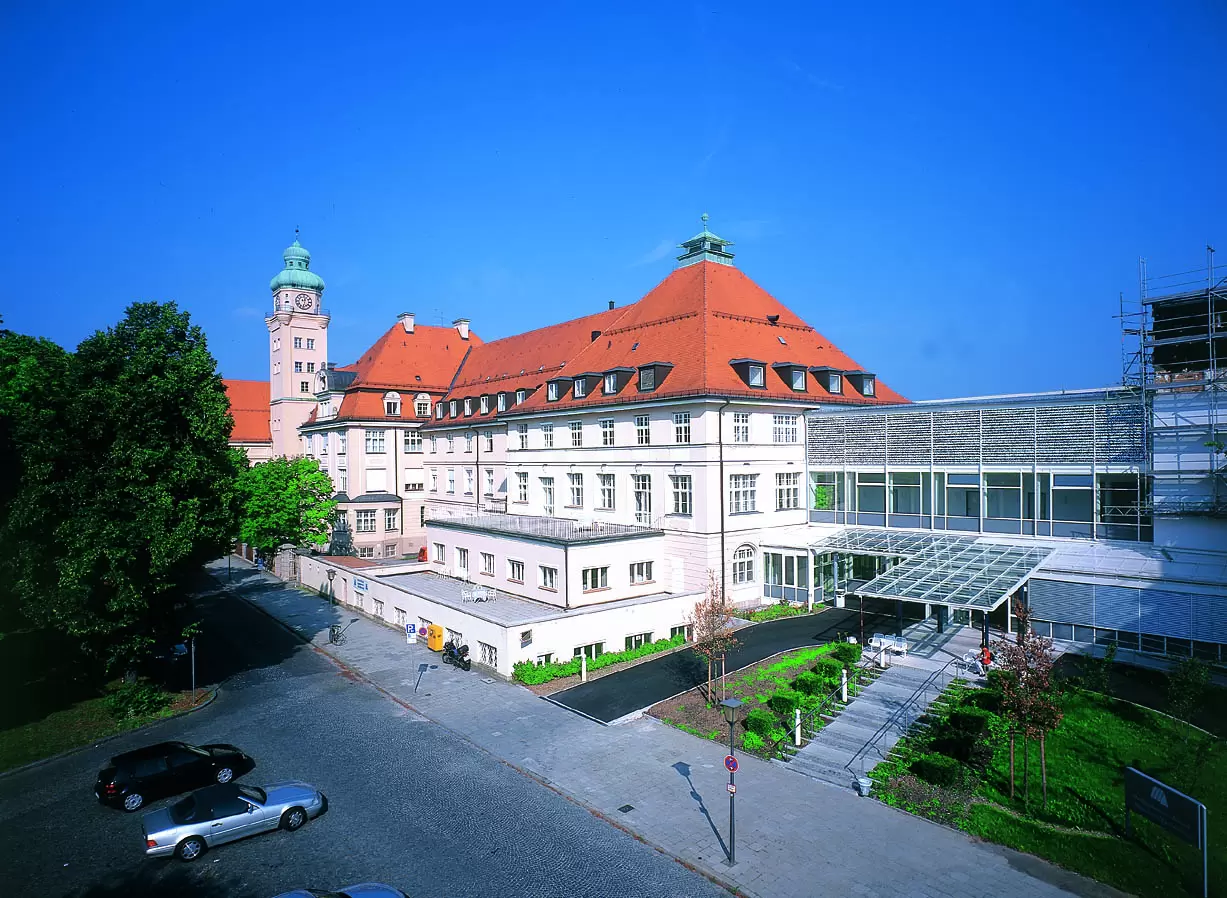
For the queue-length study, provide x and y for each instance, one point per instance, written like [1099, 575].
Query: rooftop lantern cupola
[705, 247]
[297, 273]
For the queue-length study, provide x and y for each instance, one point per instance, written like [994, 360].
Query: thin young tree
[711, 622]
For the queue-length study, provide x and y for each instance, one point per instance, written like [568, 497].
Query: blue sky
[954, 194]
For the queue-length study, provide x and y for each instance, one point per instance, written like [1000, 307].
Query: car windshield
[256, 795]
[184, 811]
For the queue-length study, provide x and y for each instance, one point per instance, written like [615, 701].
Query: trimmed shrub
[828, 671]
[940, 770]
[809, 683]
[968, 720]
[785, 703]
[846, 653]
[137, 699]
[760, 721]
[534, 674]
[996, 678]
[974, 751]
[987, 699]
[753, 742]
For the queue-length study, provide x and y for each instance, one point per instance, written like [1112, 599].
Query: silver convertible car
[223, 813]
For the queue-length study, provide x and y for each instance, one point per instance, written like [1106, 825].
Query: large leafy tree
[285, 501]
[711, 624]
[127, 484]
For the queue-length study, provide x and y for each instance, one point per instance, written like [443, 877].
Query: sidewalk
[795, 836]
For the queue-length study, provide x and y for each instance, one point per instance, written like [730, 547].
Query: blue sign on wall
[360, 585]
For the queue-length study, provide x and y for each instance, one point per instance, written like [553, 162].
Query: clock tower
[297, 347]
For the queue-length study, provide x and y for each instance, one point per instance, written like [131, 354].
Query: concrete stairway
[840, 751]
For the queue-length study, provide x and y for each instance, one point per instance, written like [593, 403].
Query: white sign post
[411, 634]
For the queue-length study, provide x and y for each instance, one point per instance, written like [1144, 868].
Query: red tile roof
[249, 406]
[697, 320]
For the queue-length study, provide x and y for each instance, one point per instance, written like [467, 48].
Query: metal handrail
[893, 719]
[861, 668]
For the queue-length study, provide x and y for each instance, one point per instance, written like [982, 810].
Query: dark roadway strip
[607, 698]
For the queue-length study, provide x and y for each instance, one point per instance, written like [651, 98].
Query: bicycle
[336, 633]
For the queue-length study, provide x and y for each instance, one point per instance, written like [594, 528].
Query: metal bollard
[797, 737]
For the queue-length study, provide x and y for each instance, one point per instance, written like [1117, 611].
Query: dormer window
[868, 385]
[551, 391]
[863, 381]
[485, 404]
[439, 411]
[521, 395]
[451, 408]
[421, 405]
[647, 380]
[798, 379]
[501, 402]
[611, 384]
[468, 406]
[391, 404]
[579, 388]
[835, 382]
[756, 376]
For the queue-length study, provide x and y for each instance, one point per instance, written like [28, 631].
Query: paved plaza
[796, 836]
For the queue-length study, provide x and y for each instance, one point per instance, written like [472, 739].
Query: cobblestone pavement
[795, 836]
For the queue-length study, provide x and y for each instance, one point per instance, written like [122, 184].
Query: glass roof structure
[958, 571]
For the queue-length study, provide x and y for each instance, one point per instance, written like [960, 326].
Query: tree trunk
[1043, 772]
[1026, 772]
[1011, 765]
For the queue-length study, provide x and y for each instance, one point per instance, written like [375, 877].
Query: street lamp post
[332, 599]
[730, 706]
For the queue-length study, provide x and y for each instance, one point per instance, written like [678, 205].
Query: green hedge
[810, 683]
[775, 612]
[847, 653]
[972, 721]
[785, 702]
[752, 742]
[939, 770]
[828, 671]
[532, 674]
[761, 721]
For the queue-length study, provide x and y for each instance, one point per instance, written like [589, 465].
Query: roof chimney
[462, 327]
[611, 303]
[406, 320]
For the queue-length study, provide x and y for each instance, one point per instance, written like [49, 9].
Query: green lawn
[1082, 827]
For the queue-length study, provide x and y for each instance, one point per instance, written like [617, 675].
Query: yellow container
[434, 638]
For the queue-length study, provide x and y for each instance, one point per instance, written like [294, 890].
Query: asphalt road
[616, 695]
[410, 804]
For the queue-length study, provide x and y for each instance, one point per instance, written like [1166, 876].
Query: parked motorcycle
[458, 656]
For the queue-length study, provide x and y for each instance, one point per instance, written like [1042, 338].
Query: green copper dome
[297, 273]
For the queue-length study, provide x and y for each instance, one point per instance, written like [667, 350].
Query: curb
[535, 777]
[213, 693]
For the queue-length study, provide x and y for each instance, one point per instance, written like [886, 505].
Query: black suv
[140, 776]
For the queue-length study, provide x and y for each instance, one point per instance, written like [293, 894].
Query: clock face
[303, 300]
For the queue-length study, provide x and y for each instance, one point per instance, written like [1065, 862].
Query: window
[595, 578]
[391, 404]
[468, 406]
[413, 441]
[298, 342]
[741, 427]
[413, 486]
[686, 631]
[611, 384]
[421, 407]
[375, 441]
[342, 481]
[577, 434]
[485, 404]
[438, 554]
[298, 367]
[591, 650]
[683, 493]
[743, 565]
[521, 486]
[641, 572]
[468, 481]
[515, 571]
[579, 388]
[489, 654]
[783, 428]
[643, 431]
[607, 431]
[310, 367]
[451, 480]
[434, 444]
[454, 636]
[545, 658]
[548, 577]
[487, 563]
[521, 395]
[742, 493]
[756, 376]
[378, 607]
[606, 484]
[434, 480]
[681, 427]
[522, 434]
[824, 492]
[489, 435]
[451, 444]
[389, 519]
[401, 618]
[798, 379]
[647, 380]
[341, 443]
[547, 494]
[639, 639]
[788, 491]
[501, 403]
[365, 552]
[462, 558]
[577, 490]
[439, 412]
[310, 343]
[366, 521]
[905, 492]
[835, 382]
[547, 436]
[304, 386]
[871, 492]
[468, 442]
[551, 392]
[867, 385]
[451, 408]
[643, 498]
[489, 491]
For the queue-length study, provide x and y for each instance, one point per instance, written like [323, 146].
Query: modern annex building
[709, 429]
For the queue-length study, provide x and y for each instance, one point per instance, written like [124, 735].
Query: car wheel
[133, 801]
[293, 819]
[190, 848]
[225, 775]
